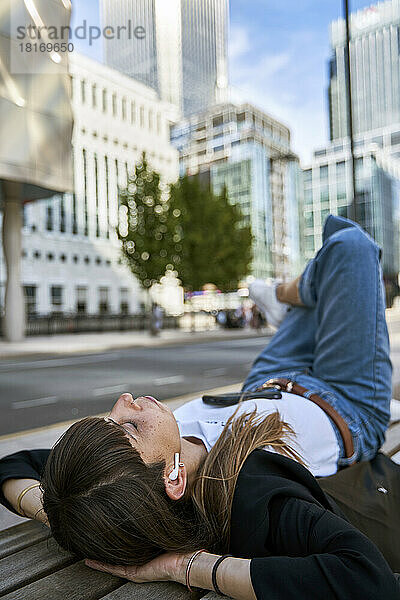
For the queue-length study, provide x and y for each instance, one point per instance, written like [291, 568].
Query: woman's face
[150, 426]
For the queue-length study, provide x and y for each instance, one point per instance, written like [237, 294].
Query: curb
[173, 403]
[28, 352]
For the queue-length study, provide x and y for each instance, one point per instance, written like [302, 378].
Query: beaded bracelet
[189, 566]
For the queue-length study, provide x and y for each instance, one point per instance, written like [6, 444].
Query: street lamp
[349, 111]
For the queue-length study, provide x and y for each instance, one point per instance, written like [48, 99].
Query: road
[43, 391]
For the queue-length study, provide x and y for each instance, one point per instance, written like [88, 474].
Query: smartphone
[233, 398]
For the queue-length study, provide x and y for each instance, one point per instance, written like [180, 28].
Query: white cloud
[239, 42]
[285, 84]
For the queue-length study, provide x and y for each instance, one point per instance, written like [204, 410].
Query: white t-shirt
[315, 438]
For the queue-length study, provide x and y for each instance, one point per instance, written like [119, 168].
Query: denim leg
[343, 284]
[339, 342]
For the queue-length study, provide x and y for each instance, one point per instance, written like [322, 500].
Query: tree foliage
[146, 235]
[210, 241]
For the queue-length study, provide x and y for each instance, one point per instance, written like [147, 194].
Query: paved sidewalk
[85, 343]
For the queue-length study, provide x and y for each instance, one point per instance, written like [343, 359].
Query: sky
[278, 54]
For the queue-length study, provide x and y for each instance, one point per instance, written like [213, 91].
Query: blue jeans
[337, 345]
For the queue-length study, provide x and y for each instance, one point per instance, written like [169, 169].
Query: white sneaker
[264, 295]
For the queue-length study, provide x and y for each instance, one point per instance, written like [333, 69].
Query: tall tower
[375, 70]
[183, 54]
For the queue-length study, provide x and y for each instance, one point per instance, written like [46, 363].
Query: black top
[299, 545]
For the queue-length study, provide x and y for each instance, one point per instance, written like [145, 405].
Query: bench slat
[21, 536]
[150, 591]
[75, 582]
[31, 564]
[392, 441]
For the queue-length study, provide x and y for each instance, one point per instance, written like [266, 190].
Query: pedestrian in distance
[231, 498]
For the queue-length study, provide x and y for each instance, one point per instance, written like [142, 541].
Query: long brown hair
[103, 502]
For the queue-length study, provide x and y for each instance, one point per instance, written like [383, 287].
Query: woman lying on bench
[226, 498]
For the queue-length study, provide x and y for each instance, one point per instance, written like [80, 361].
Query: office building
[375, 70]
[246, 150]
[182, 53]
[327, 188]
[71, 253]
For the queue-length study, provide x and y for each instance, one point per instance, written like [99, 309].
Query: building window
[341, 169]
[104, 100]
[324, 215]
[56, 297]
[63, 258]
[324, 196]
[114, 105]
[217, 121]
[342, 211]
[81, 299]
[124, 303]
[395, 138]
[309, 243]
[49, 218]
[307, 177]
[96, 179]
[83, 91]
[150, 120]
[104, 307]
[98, 260]
[107, 196]
[159, 123]
[74, 215]
[87, 260]
[218, 148]
[30, 299]
[37, 254]
[85, 182]
[323, 172]
[141, 116]
[124, 109]
[75, 258]
[133, 112]
[50, 256]
[94, 95]
[62, 214]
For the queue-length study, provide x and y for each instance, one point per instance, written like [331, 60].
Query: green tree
[211, 243]
[145, 232]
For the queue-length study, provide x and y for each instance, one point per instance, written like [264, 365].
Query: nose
[124, 404]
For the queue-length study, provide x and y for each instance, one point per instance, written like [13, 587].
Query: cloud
[287, 84]
[239, 42]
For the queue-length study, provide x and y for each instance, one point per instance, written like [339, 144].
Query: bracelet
[22, 494]
[189, 566]
[214, 573]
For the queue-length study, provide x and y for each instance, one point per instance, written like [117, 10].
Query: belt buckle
[278, 383]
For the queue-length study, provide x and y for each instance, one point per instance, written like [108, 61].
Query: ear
[175, 489]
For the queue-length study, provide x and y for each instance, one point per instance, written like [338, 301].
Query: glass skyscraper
[375, 70]
[249, 152]
[183, 52]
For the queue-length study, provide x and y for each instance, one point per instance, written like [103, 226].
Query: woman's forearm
[233, 575]
[31, 503]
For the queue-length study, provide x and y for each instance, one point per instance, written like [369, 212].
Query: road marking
[58, 362]
[33, 403]
[215, 372]
[113, 389]
[169, 380]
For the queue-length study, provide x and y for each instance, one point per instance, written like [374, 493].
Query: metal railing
[54, 324]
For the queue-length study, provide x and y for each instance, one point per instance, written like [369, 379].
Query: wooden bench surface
[33, 566]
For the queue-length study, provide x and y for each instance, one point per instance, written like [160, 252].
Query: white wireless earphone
[175, 472]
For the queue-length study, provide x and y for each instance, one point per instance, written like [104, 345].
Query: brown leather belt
[292, 387]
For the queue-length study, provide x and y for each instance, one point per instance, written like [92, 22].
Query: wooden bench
[33, 567]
